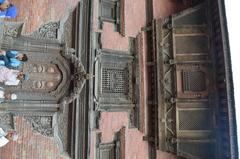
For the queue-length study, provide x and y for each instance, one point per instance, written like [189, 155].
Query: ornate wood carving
[6, 121]
[56, 77]
[12, 29]
[41, 124]
[48, 78]
[111, 150]
[79, 75]
[188, 84]
[115, 83]
[113, 73]
[112, 11]
[185, 111]
[47, 31]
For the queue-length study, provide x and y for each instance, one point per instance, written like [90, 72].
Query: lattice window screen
[115, 81]
[195, 120]
[194, 81]
[203, 150]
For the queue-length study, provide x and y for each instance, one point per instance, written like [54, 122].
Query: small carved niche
[111, 150]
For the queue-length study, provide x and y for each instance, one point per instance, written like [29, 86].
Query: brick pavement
[37, 12]
[29, 145]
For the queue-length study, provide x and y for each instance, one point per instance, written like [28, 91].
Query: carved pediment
[41, 124]
[47, 31]
[12, 29]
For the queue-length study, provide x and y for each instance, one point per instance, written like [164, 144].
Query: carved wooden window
[115, 81]
[106, 151]
[113, 85]
[204, 149]
[192, 120]
[112, 11]
[195, 121]
[111, 150]
[194, 44]
[194, 81]
[108, 10]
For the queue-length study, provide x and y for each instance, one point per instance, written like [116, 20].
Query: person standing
[7, 10]
[11, 77]
[5, 137]
[12, 59]
[6, 96]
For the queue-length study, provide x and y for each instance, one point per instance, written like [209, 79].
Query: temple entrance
[48, 99]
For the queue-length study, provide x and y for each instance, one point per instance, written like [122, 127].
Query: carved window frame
[180, 69]
[115, 149]
[117, 14]
[191, 127]
[201, 147]
[122, 61]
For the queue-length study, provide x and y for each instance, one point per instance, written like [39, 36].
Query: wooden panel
[186, 117]
[108, 11]
[194, 123]
[191, 44]
[192, 81]
[113, 84]
[197, 149]
[192, 16]
[111, 150]
[112, 11]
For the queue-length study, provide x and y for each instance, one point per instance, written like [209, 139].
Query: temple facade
[116, 79]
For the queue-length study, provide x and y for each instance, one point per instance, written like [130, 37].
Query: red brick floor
[36, 12]
[29, 145]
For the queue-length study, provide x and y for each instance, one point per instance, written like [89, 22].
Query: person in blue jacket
[12, 59]
[7, 10]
